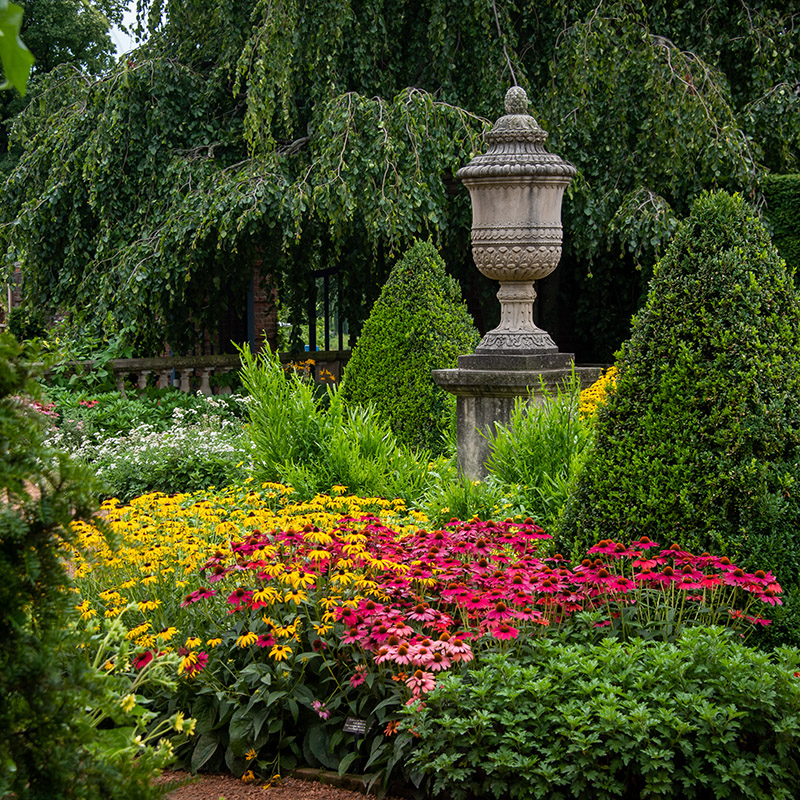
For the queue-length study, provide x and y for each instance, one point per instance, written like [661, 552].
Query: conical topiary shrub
[700, 442]
[418, 324]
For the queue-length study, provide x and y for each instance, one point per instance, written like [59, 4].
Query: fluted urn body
[516, 189]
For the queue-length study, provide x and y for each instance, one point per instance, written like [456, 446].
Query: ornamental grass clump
[314, 443]
[700, 441]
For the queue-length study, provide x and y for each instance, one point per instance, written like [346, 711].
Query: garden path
[215, 787]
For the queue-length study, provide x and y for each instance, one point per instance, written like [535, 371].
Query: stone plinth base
[486, 388]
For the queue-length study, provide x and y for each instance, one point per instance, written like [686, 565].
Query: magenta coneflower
[504, 631]
[422, 612]
[198, 594]
[360, 676]
[438, 662]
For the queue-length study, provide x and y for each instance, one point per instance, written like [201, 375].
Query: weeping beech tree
[300, 135]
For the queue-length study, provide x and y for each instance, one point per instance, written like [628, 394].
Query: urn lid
[516, 147]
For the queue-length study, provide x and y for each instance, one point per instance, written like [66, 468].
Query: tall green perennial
[418, 324]
[700, 442]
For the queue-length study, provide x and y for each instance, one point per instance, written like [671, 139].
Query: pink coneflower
[438, 662]
[612, 549]
[319, 707]
[198, 594]
[709, 581]
[402, 654]
[353, 636]
[239, 597]
[422, 612]
[500, 611]
[504, 631]
[218, 573]
[401, 630]
[360, 676]
[421, 682]
[770, 596]
[265, 640]
[142, 660]
[199, 664]
[475, 602]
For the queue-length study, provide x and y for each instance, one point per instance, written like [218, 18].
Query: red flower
[143, 659]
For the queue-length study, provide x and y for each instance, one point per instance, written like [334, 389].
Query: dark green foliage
[27, 323]
[782, 193]
[700, 442]
[47, 747]
[704, 718]
[418, 324]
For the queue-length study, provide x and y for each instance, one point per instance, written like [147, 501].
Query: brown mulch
[215, 787]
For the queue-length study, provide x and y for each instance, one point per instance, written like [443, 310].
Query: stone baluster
[142, 382]
[164, 378]
[205, 384]
[186, 379]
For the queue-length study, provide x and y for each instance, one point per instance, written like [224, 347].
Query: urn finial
[516, 100]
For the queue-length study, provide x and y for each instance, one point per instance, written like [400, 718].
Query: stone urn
[516, 189]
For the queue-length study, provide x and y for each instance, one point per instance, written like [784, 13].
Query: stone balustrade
[196, 373]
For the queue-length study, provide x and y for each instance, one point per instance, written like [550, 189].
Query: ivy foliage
[418, 324]
[700, 441]
[308, 135]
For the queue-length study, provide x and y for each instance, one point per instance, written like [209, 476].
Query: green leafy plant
[314, 445]
[700, 441]
[702, 717]
[782, 193]
[540, 451]
[418, 324]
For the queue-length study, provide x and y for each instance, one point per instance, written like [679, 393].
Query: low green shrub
[186, 457]
[418, 324]
[705, 717]
[782, 193]
[165, 440]
[94, 416]
[314, 443]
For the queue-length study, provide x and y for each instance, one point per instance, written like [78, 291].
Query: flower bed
[288, 618]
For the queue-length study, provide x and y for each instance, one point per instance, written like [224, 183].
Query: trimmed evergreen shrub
[418, 324]
[700, 441]
[782, 193]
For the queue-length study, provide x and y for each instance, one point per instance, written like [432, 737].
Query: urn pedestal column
[516, 189]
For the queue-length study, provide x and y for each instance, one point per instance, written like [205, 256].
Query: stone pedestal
[516, 188]
[488, 386]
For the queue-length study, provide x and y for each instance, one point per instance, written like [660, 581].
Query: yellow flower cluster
[595, 395]
[157, 545]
